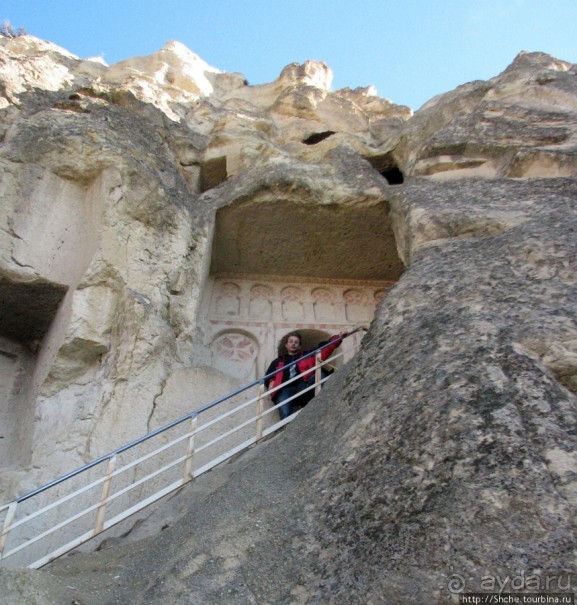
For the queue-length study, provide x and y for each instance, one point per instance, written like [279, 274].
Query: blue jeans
[293, 389]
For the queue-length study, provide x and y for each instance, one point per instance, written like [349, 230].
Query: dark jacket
[305, 362]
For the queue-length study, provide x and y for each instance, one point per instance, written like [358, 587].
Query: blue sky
[410, 50]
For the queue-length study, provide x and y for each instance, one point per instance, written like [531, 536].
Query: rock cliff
[443, 453]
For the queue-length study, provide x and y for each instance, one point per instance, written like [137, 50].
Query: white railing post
[7, 526]
[115, 467]
[318, 375]
[259, 412]
[99, 525]
[187, 474]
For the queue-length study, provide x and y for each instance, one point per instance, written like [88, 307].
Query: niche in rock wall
[227, 299]
[28, 309]
[289, 238]
[212, 173]
[280, 265]
[292, 301]
[317, 137]
[260, 305]
[387, 166]
[324, 304]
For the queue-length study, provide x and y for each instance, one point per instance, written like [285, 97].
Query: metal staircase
[47, 522]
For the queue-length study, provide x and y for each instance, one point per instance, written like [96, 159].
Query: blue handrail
[174, 423]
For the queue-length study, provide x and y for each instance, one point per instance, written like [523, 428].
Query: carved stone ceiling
[287, 238]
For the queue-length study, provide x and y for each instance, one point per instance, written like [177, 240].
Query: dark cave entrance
[317, 137]
[387, 166]
[26, 314]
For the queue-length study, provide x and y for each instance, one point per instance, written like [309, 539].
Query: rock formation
[109, 201]
[137, 197]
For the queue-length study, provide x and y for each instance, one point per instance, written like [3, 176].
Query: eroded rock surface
[444, 450]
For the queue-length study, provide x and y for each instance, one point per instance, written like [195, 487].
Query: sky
[410, 50]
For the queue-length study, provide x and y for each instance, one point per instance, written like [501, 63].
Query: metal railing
[51, 520]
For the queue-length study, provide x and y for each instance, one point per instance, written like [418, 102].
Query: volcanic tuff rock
[103, 218]
[444, 450]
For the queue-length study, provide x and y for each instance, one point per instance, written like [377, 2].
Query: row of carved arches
[326, 304]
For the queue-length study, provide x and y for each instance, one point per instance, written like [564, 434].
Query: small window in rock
[212, 173]
[317, 137]
[394, 176]
[387, 167]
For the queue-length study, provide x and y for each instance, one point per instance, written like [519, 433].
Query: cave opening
[317, 137]
[27, 312]
[387, 167]
[28, 309]
[393, 176]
